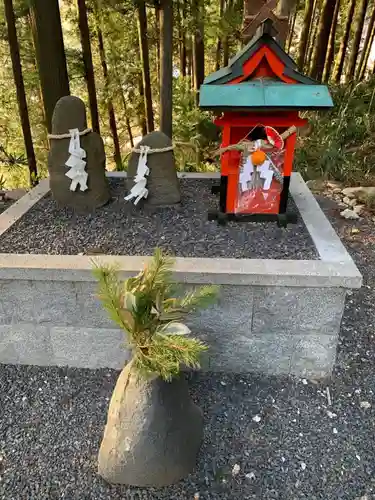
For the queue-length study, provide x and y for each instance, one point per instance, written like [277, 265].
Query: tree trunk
[284, 9]
[20, 89]
[320, 50]
[359, 22]
[141, 112]
[331, 44]
[128, 125]
[367, 55]
[166, 67]
[157, 42]
[339, 63]
[219, 42]
[88, 64]
[366, 47]
[226, 37]
[111, 111]
[291, 30]
[303, 43]
[145, 61]
[184, 47]
[312, 34]
[35, 69]
[50, 53]
[179, 20]
[198, 43]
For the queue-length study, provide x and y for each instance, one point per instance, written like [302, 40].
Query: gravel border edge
[335, 269]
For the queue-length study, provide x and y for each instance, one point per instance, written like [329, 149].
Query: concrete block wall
[274, 316]
[276, 330]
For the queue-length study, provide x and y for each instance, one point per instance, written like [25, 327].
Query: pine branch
[201, 298]
[142, 306]
[110, 294]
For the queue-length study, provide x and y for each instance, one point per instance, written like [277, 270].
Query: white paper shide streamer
[76, 163]
[248, 170]
[139, 189]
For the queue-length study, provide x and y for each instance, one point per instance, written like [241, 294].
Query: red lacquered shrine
[258, 97]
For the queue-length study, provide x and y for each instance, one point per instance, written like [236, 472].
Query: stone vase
[153, 432]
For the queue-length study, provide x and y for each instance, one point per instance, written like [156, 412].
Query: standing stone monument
[152, 172]
[76, 162]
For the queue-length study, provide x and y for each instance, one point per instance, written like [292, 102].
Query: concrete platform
[274, 316]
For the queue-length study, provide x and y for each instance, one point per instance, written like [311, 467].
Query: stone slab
[89, 347]
[25, 344]
[296, 310]
[91, 311]
[258, 272]
[311, 355]
[314, 355]
[38, 302]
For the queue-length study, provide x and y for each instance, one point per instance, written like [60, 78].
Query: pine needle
[142, 306]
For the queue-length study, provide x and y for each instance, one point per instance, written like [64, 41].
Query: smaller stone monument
[152, 172]
[76, 161]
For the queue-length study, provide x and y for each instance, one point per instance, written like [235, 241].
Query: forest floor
[298, 447]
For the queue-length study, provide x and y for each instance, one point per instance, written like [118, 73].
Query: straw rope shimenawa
[68, 135]
[162, 150]
[156, 150]
[245, 145]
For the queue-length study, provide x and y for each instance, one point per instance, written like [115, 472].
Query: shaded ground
[4, 205]
[302, 448]
[122, 229]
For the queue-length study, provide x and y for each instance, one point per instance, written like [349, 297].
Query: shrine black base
[283, 218]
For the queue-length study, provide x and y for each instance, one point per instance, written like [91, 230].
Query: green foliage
[341, 145]
[193, 129]
[145, 308]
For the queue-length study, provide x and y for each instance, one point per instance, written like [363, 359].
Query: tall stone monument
[76, 162]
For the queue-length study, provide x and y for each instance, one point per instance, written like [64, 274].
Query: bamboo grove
[139, 64]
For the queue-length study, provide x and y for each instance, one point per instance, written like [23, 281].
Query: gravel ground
[122, 229]
[299, 447]
[4, 205]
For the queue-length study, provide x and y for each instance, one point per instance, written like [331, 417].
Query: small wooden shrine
[258, 97]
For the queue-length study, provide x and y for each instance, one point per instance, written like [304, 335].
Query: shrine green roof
[220, 94]
[264, 94]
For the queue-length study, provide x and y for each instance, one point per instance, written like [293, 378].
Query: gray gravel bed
[52, 420]
[122, 229]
